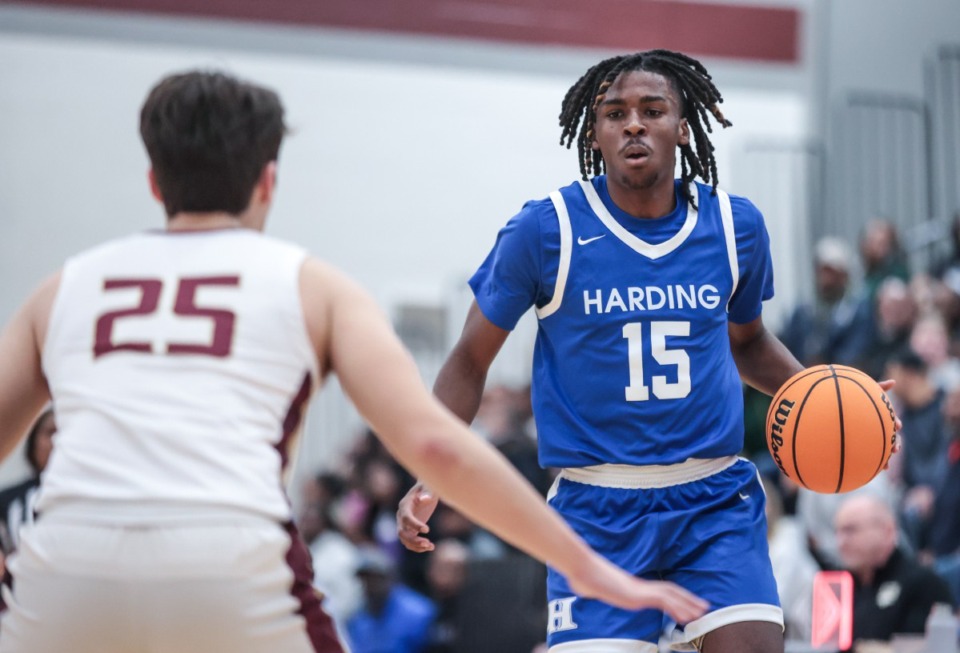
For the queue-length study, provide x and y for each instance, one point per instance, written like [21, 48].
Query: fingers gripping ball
[830, 428]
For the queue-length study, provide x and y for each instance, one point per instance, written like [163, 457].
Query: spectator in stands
[881, 255]
[501, 420]
[894, 317]
[335, 562]
[816, 512]
[952, 257]
[16, 502]
[446, 579]
[946, 295]
[919, 405]
[835, 326]
[931, 341]
[923, 462]
[393, 618]
[892, 592]
[368, 505]
[943, 543]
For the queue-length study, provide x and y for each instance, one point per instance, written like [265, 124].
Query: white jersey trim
[647, 477]
[730, 234]
[605, 646]
[636, 244]
[566, 249]
[686, 639]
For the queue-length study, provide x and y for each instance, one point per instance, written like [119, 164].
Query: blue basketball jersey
[632, 363]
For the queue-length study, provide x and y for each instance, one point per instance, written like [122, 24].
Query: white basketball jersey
[179, 364]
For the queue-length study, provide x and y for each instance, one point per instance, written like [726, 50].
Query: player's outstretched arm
[382, 380]
[23, 390]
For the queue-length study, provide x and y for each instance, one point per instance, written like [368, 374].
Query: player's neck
[645, 203]
[203, 221]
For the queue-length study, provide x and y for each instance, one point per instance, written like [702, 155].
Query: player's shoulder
[543, 211]
[322, 280]
[746, 215]
[744, 209]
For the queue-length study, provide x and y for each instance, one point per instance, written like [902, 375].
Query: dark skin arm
[762, 360]
[765, 363]
[459, 386]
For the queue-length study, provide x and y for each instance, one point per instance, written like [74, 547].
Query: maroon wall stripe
[750, 32]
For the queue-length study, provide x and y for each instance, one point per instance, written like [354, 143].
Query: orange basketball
[830, 428]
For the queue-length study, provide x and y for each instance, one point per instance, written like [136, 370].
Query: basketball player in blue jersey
[648, 292]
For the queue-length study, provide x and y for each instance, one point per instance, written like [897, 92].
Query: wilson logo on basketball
[776, 429]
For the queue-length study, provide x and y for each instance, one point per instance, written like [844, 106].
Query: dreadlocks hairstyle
[693, 85]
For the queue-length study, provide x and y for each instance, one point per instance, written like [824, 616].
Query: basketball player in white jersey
[179, 362]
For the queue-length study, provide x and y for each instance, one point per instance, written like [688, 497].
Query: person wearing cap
[393, 617]
[835, 326]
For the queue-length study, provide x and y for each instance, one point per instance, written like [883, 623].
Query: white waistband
[646, 477]
[140, 514]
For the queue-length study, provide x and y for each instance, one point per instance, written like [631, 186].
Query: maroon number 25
[184, 305]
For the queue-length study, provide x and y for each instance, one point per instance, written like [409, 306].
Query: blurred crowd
[387, 599]
[899, 536]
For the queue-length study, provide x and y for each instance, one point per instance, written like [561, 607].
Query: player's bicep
[375, 369]
[743, 334]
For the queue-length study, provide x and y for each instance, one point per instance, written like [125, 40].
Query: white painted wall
[880, 45]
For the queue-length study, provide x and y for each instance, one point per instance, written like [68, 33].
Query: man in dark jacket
[893, 593]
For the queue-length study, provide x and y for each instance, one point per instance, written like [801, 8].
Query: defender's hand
[414, 512]
[602, 580]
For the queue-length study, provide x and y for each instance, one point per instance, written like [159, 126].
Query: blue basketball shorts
[700, 524]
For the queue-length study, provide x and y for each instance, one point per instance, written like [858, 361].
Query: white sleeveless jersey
[179, 364]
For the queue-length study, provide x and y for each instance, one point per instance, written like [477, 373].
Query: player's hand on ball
[601, 579]
[415, 510]
[886, 386]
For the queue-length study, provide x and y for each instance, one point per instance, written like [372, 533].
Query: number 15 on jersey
[638, 390]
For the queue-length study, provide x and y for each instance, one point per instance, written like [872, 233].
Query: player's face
[638, 128]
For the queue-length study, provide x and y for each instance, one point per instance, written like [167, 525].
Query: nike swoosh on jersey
[744, 496]
[583, 241]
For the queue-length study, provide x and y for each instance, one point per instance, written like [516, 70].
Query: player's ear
[154, 187]
[684, 132]
[267, 183]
